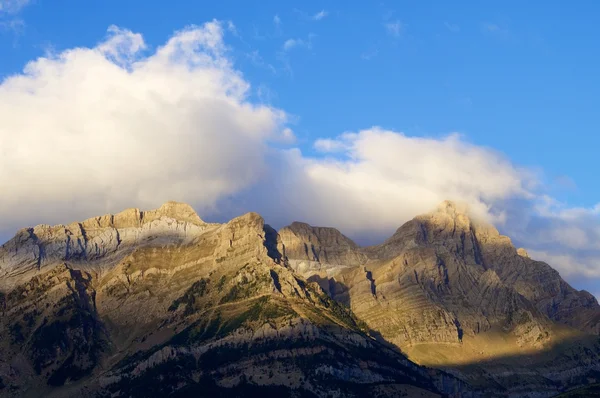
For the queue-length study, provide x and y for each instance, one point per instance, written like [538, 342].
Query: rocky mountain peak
[311, 247]
[100, 240]
[449, 216]
[178, 211]
[322, 235]
[452, 207]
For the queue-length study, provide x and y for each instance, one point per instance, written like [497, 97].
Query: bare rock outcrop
[147, 302]
[97, 242]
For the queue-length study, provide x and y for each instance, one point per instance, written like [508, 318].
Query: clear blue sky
[520, 77]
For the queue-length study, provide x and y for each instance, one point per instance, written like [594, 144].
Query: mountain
[159, 302]
[453, 293]
[146, 303]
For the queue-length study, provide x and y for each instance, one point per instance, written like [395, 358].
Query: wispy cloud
[394, 28]
[257, 60]
[232, 29]
[311, 17]
[284, 59]
[265, 94]
[293, 43]
[277, 20]
[8, 19]
[320, 15]
[287, 136]
[12, 6]
[15, 25]
[452, 27]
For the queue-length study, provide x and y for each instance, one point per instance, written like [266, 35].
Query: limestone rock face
[307, 247]
[452, 283]
[159, 302]
[145, 303]
[96, 241]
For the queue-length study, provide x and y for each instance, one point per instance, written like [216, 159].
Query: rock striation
[449, 289]
[154, 302]
[97, 242]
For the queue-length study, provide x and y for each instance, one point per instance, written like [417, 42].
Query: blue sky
[517, 80]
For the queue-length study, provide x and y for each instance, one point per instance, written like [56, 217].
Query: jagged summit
[178, 211]
[135, 217]
[130, 218]
[454, 207]
[310, 246]
[97, 239]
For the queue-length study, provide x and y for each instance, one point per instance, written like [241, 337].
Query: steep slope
[147, 303]
[453, 293]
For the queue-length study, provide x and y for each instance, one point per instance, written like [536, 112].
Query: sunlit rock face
[450, 290]
[97, 242]
[159, 302]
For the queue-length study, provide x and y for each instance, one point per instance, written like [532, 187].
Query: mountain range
[147, 303]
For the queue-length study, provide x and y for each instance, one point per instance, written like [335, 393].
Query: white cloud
[14, 25]
[92, 130]
[569, 265]
[551, 208]
[121, 46]
[276, 20]
[330, 145]
[8, 20]
[293, 43]
[394, 28]
[287, 136]
[568, 238]
[320, 15]
[378, 179]
[12, 6]
[232, 29]
[255, 57]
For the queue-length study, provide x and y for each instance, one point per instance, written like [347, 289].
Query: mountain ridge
[442, 281]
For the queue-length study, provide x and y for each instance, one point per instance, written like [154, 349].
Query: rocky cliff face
[450, 290]
[147, 303]
[160, 302]
[308, 248]
[98, 242]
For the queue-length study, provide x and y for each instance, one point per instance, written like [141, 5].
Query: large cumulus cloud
[368, 183]
[91, 130]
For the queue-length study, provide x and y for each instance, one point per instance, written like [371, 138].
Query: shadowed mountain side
[592, 391]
